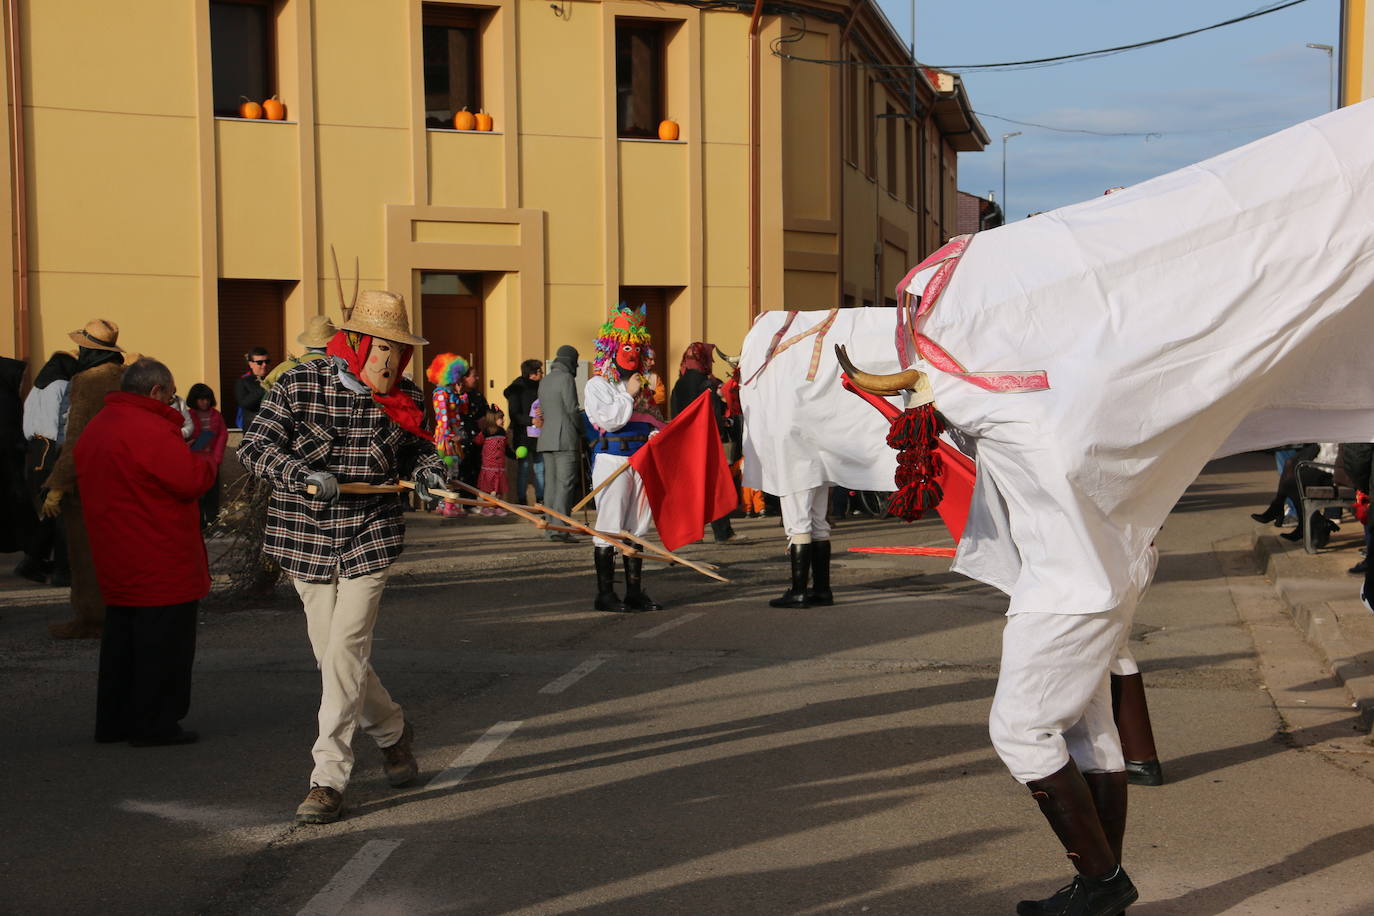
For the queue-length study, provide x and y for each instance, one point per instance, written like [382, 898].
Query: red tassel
[919, 465]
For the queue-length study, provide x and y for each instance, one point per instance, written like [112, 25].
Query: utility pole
[1330, 73]
[1006, 215]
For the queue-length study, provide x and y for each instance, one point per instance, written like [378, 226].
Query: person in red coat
[140, 487]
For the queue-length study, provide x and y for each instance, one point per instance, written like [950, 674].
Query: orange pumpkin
[484, 121]
[465, 120]
[249, 109]
[667, 130]
[273, 109]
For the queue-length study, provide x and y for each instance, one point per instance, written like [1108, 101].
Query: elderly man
[140, 492]
[351, 418]
[560, 438]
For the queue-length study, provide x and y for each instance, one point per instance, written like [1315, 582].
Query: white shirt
[607, 403]
[45, 412]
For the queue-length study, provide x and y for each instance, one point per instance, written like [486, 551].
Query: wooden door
[655, 299]
[452, 319]
[250, 315]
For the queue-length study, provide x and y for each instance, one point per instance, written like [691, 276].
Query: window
[908, 173]
[452, 54]
[852, 80]
[241, 56]
[870, 129]
[639, 101]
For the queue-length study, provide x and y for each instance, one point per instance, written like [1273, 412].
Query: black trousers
[48, 542]
[144, 687]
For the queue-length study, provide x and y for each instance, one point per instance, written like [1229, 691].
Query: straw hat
[98, 335]
[382, 314]
[317, 333]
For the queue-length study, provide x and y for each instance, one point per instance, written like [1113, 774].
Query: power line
[1147, 134]
[1088, 55]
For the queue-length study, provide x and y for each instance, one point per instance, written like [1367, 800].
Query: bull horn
[345, 306]
[884, 385]
[732, 361]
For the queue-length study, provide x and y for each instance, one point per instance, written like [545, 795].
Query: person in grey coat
[560, 437]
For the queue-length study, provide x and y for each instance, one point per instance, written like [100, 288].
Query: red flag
[686, 477]
[957, 484]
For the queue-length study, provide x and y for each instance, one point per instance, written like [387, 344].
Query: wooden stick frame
[601, 486]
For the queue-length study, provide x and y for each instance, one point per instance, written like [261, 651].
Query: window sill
[454, 130]
[647, 140]
[254, 120]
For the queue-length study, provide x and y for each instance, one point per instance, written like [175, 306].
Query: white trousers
[339, 617]
[622, 506]
[804, 515]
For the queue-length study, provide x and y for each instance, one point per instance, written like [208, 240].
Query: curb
[1348, 649]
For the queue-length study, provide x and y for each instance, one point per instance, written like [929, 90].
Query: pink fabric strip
[911, 341]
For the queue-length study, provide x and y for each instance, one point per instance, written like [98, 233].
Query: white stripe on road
[665, 627]
[468, 761]
[335, 895]
[572, 677]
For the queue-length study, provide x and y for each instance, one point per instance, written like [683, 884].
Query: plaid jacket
[310, 422]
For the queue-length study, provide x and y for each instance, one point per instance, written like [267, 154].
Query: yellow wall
[140, 199]
[1357, 80]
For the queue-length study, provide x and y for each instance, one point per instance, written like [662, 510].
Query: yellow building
[140, 195]
[1357, 41]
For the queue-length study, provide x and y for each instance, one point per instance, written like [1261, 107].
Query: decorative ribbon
[911, 342]
[778, 345]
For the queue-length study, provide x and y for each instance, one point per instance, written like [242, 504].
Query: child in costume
[492, 440]
[619, 429]
[445, 373]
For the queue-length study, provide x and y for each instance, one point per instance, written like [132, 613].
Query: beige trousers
[339, 617]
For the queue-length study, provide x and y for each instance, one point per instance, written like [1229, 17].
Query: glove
[427, 479]
[52, 504]
[327, 486]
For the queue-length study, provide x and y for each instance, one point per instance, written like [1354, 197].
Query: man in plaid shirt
[349, 418]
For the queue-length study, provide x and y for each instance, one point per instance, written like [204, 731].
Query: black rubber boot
[795, 596]
[606, 598]
[819, 593]
[636, 599]
[1109, 798]
[1132, 717]
[1101, 887]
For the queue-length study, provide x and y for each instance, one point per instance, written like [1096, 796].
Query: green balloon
[521, 451]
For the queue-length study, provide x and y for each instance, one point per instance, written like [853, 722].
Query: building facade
[140, 194]
[1357, 40]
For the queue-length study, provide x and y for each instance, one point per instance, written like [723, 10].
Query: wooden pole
[654, 548]
[601, 486]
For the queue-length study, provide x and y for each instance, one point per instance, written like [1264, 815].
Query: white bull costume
[804, 433]
[1097, 357]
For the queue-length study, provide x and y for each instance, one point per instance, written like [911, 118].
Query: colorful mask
[623, 345]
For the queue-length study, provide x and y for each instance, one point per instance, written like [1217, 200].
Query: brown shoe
[398, 761]
[322, 805]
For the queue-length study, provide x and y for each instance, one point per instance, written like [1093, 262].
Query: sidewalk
[1322, 599]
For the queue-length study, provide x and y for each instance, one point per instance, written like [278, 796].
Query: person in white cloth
[619, 428]
[1218, 309]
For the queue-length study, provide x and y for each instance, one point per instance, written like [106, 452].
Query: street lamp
[1330, 73]
[1006, 214]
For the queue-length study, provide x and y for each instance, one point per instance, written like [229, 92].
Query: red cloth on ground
[140, 486]
[686, 477]
[398, 405]
[492, 478]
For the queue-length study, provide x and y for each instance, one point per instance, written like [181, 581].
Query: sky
[1198, 96]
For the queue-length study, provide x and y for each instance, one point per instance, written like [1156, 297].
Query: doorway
[251, 314]
[451, 314]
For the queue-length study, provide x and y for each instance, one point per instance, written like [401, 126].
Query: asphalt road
[719, 756]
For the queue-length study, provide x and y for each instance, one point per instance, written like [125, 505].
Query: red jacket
[139, 486]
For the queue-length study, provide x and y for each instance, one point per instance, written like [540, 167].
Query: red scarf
[397, 404]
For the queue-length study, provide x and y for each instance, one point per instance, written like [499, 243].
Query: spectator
[45, 416]
[248, 391]
[520, 397]
[99, 368]
[446, 373]
[653, 397]
[315, 338]
[493, 442]
[560, 436]
[139, 488]
[472, 407]
[21, 522]
[1327, 453]
[694, 377]
[210, 435]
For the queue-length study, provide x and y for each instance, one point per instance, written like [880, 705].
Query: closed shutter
[250, 315]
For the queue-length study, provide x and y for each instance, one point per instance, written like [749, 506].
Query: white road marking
[335, 895]
[665, 627]
[468, 761]
[572, 677]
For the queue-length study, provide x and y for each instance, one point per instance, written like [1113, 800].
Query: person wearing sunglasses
[248, 390]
